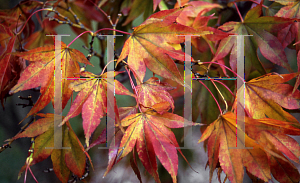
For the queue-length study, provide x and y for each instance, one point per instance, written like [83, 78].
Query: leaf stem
[133, 87]
[226, 106]
[113, 30]
[237, 9]
[212, 96]
[45, 9]
[10, 141]
[78, 37]
[296, 43]
[93, 33]
[225, 87]
[106, 66]
[259, 3]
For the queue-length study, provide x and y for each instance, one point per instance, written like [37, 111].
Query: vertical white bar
[240, 113]
[58, 143]
[110, 117]
[110, 120]
[187, 113]
[240, 109]
[187, 91]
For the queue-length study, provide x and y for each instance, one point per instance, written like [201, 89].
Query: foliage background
[13, 159]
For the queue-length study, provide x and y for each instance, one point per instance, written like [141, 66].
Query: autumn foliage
[144, 131]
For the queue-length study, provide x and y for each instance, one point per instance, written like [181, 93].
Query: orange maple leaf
[64, 160]
[153, 92]
[265, 96]
[150, 132]
[153, 43]
[92, 100]
[40, 72]
[267, 140]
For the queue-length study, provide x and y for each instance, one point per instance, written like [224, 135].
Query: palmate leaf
[152, 45]
[64, 160]
[40, 38]
[291, 32]
[194, 9]
[153, 92]
[150, 132]
[92, 100]
[40, 72]
[11, 17]
[261, 159]
[261, 28]
[11, 66]
[265, 96]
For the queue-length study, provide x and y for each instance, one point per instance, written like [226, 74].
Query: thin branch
[212, 96]
[78, 37]
[225, 87]
[10, 141]
[226, 105]
[113, 30]
[106, 66]
[45, 9]
[237, 9]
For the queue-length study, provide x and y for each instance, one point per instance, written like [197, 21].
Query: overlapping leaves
[260, 31]
[150, 133]
[71, 157]
[155, 44]
[265, 141]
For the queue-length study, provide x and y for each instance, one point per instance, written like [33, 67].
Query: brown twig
[10, 141]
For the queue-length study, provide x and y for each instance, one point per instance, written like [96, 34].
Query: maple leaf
[261, 29]
[11, 66]
[207, 41]
[265, 95]
[11, 17]
[153, 92]
[194, 9]
[64, 160]
[178, 90]
[92, 100]
[289, 33]
[285, 2]
[222, 138]
[152, 45]
[40, 38]
[150, 132]
[200, 24]
[40, 72]
[7, 44]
